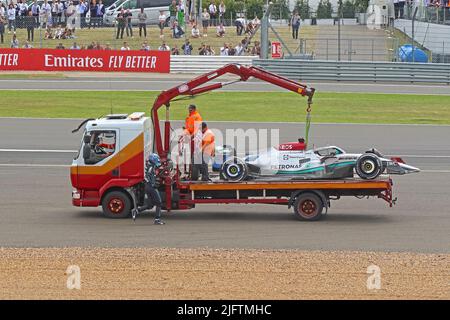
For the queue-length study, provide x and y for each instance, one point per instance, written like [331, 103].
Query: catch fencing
[358, 71]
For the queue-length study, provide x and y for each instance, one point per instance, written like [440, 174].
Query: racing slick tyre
[308, 206]
[368, 166]
[116, 205]
[234, 169]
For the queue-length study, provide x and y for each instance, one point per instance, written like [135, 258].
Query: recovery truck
[109, 168]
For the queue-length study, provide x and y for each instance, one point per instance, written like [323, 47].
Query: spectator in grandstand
[100, 12]
[70, 14]
[48, 33]
[35, 9]
[205, 22]
[195, 32]
[256, 22]
[30, 23]
[125, 47]
[180, 13]
[295, 24]
[91, 46]
[59, 11]
[68, 33]
[256, 50]
[3, 9]
[222, 10]
[21, 13]
[11, 13]
[212, 13]
[2, 28]
[220, 30]
[250, 29]
[231, 51]
[161, 23]
[120, 24]
[175, 51]
[82, 9]
[98, 46]
[46, 14]
[202, 51]
[240, 25]
[173, 13]
[59, 33]
[145, 46]
[54, 9]
[14, 42]
[93, 11]
[75, 46]
[224, 50]
[27, 45]
[142, 18]
[128, 15]
[107, 47]
[239, 49]
[177, 30]
[164, 47]
[187, 48]
[60, 46]
[210, 50]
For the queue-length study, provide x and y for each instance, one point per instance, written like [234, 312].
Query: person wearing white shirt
[220, 30]
[70, 14]
[161, 23]
[164, 47]
[222, 10]
[46, 14]
[11, 13]
[224, 50]
[125, 47]
[212, 14]
[239, 49]
[195, 32]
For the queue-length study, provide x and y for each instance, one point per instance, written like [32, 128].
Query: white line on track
[42, 151]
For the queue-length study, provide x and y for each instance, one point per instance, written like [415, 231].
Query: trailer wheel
[308, 206]
[116, 205]
[368, 166]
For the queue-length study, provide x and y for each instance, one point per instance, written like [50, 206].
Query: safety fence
[358, 71]
[202, 64]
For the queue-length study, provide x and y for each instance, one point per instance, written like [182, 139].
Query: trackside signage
[84, 60]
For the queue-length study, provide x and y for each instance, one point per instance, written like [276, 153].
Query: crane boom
[194, 87]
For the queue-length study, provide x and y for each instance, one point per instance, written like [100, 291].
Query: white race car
[292, 161]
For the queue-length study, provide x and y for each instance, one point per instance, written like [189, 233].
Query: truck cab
[110, 160]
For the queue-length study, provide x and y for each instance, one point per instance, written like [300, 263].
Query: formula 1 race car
[292, 161]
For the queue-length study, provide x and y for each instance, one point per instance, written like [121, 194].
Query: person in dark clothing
[2, 28]
[120, 24]
[30, 22]
[153, 196]
[295, 24]
[128, 15]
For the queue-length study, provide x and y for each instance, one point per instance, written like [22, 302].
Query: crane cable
[308, 122]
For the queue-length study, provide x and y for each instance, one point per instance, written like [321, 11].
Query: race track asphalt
[112, 82]
[36, 208]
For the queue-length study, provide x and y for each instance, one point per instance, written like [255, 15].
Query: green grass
[32, 76]
[234, 106]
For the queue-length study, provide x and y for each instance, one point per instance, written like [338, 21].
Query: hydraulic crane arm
[195, 87]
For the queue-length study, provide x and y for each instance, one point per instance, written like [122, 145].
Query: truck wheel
[116, 205]
[368, 166]
[308, 206]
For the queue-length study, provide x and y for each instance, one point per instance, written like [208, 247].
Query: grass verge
[235, 106]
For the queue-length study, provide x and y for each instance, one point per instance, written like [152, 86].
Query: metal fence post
[373, 45]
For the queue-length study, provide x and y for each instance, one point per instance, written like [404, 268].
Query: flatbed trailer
[309, 198]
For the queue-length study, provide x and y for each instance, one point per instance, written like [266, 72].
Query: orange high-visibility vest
[193, 123]
[208, 142]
